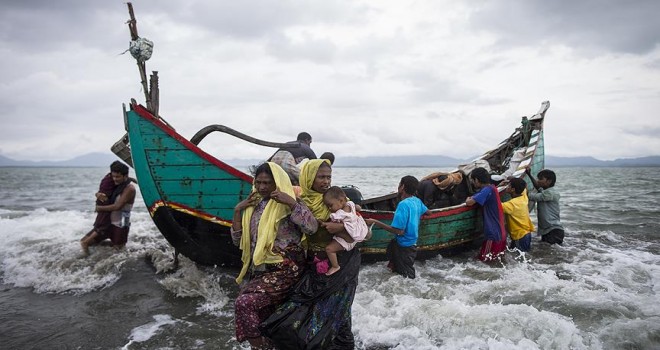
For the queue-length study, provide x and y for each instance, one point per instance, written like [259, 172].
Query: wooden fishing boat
[451, 227]
[190, 194]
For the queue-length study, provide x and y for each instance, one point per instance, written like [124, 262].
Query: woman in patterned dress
[318, 313]
[268, 226]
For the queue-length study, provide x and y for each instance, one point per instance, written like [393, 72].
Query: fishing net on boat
[141, 49]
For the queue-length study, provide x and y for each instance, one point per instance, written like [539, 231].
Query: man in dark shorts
[113, 220]
[402, 250]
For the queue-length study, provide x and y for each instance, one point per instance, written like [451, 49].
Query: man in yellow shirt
[516, 212]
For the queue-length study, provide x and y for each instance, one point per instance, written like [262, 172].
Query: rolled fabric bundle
[451, 179]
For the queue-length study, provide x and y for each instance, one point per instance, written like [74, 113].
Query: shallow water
[598, 291]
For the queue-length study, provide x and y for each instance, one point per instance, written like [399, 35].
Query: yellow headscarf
[268, 225]
[312, 199]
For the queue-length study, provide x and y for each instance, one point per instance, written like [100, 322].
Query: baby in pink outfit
[343, 210]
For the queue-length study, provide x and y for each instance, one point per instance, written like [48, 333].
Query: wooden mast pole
[132, 26]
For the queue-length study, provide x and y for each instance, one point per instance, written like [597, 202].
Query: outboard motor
[353, 193]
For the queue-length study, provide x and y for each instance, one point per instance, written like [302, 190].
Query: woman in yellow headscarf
[268, 226]
[318, 314]
[315, 179]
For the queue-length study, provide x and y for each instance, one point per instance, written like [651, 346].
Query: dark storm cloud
[590, 25]
[34, 26]
[261, 18]
[316, 63]
[242, 19]
[43, 26]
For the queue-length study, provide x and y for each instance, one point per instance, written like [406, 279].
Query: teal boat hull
[191, 195]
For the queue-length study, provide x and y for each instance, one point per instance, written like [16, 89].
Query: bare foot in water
[88, 240]
[85, 247]
[332, 270]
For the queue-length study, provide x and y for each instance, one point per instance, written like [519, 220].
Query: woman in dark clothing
[318, 314]
[268, 226]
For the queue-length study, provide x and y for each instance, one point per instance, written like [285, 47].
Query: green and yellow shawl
[268, 225]
[314, 201]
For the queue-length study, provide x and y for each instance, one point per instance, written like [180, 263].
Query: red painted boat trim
[144, 113]
[450, 212]
[188, 210]
[434, 214]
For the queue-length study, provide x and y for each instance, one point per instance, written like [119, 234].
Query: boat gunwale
[144, 113]
[435, 216]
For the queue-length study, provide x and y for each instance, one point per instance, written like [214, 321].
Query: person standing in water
[119, 206]
[488, 198]
[546, 198]
[402, 250]
[102, 221]
[516, 212]
[268, 227]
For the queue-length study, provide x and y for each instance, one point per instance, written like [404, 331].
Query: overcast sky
[365, 78]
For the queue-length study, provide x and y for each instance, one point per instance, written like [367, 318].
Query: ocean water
[598, 291]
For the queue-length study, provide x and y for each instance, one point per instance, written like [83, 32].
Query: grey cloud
[315, 50]
[427, 87]
[654, 64]
[332, 135]
[241, 19]
[651, 132]
[260, 18]
[43, 26]
[589, 26]
[34, 26]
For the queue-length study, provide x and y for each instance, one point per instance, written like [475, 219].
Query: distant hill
[104, 159]
[399, 161]
[86, 160]
[551, 161]
[4, 161]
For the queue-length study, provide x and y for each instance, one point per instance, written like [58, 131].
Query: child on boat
[493, 219]
[402, 250]
[546, 198]
[343, 210]
[516, 212]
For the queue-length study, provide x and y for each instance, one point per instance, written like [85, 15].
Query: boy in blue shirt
[402, 250]
[493, 218]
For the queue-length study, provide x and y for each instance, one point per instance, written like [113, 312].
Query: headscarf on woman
[312, 199]
[318, 312]
[268, 225]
